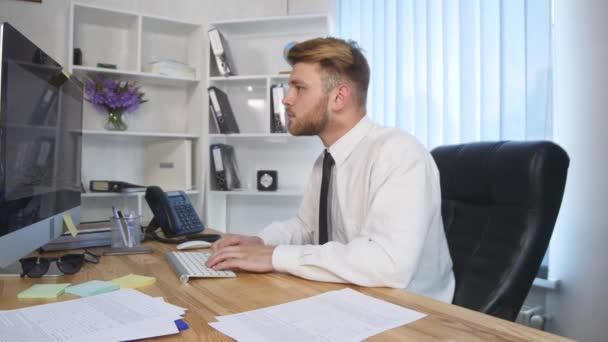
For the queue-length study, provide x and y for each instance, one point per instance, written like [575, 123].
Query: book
[219, 107]
[169, 67]
[224, 167]
[278, 120]
[220, 52]
[85, 239]
[114, 186]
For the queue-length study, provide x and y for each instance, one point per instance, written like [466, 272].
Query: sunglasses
[36, 267]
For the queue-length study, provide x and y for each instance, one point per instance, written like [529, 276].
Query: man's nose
[287, 99]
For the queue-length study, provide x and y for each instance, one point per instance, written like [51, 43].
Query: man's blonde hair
[339, 60]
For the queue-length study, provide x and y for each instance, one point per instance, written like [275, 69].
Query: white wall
[579, 255]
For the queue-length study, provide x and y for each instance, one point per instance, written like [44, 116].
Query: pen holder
[126, 232]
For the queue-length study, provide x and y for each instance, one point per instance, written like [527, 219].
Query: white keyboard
[192, 264]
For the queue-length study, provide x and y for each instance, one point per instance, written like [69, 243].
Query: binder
[278, 120]
[224, 167]
[114, 186]
[218, 48]
[220, 108]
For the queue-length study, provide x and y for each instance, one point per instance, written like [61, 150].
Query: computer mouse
[193, 244]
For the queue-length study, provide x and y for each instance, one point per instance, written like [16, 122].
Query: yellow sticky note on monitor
[68, 224]
[133, 281]
[43, 291]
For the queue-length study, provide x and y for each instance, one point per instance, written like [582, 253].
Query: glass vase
[115, 122]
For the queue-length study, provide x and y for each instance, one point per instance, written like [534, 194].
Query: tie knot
[328, 160]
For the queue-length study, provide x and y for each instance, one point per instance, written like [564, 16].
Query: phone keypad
[186, 214]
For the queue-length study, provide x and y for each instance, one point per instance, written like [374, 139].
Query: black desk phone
[174, 214]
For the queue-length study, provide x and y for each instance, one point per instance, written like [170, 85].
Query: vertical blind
[452, 71]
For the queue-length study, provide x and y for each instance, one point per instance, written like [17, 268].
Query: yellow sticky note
[133, 281]
[69, 224]
[43, 291]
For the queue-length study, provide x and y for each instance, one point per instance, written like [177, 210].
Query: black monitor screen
[40, 135]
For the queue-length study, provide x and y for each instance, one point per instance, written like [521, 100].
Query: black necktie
[328, 162]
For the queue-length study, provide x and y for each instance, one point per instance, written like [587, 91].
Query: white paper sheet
[118, 315]
[344, 315]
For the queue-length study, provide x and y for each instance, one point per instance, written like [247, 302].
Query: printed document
[343, 315]
[113, 316]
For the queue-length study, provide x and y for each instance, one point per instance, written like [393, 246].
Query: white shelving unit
[162, 145]
[256, 56]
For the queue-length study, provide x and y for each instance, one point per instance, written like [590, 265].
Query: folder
[224, 167]
[221, 110]
[278, 120]
[218, 48]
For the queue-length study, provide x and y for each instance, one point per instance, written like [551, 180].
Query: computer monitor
[40, 147]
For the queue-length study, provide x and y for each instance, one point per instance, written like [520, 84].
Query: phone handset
[174, 214]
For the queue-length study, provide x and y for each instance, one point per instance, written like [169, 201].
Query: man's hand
[247, 257]
[236, 240]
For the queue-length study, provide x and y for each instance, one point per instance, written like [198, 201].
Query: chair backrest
[500, 201]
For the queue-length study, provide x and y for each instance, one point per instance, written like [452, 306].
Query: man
[374, 193]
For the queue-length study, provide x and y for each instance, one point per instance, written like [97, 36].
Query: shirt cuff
[266, 237]
[286, 258]
[269, 235]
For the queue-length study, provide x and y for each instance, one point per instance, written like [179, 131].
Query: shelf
[125, 194]
[141, 134]
[162, 144]
[254, 49]
[105, 36]
[284, 25]
[252, 135]
[263, 137]
[246, 78]
[142, 77]
[257, 193]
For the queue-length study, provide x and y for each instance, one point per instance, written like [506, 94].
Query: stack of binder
[224, 167]
[221, 111]
[278, 120]
[220, 51]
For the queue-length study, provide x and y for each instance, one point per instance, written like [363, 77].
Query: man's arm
[405, 201]
[254, 253]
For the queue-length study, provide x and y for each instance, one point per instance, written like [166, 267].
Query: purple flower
[113, 95]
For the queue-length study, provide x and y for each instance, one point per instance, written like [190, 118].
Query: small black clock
[268, 180]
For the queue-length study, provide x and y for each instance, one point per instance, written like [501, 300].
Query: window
[452, 71]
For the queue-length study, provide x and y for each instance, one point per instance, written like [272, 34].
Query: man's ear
[340, 96]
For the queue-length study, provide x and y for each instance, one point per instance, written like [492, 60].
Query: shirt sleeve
[404, 197]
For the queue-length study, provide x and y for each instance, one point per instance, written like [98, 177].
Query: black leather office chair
[500, 201]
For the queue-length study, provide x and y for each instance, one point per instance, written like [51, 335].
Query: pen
[131, 229]
[118, 216]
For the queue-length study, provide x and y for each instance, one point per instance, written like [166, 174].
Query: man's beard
[311, 123]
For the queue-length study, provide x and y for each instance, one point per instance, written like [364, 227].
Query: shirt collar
[342, 148]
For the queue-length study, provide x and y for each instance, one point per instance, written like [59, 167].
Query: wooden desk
[207, 298]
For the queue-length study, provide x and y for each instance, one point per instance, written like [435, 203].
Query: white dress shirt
[385, 219]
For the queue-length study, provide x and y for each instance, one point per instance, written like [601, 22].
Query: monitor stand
[14, 270]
